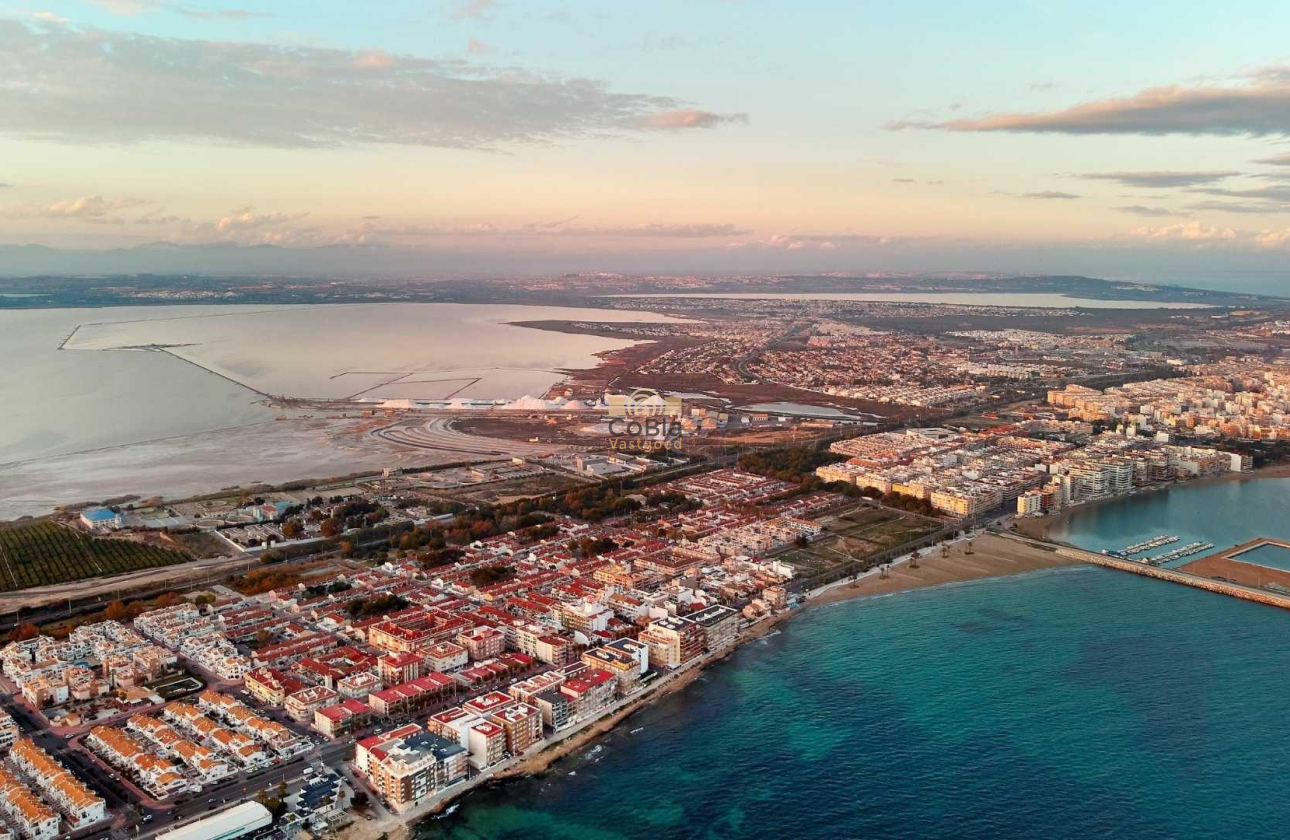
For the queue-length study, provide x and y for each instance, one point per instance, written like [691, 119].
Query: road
[242, 787]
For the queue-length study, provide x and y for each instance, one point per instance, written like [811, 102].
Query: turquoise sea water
[1077, 702]
[1225, 513]
[1072, 703]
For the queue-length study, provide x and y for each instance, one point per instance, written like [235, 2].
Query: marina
[1145, 545]
[1177, 553]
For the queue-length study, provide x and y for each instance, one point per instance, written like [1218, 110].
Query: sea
[1070, 703]
[1225, 513]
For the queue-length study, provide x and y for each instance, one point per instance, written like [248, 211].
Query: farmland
[45, 553]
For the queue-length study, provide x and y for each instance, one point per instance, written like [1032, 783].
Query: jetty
[1209, 584]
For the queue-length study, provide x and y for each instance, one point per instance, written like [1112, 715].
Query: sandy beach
[990, 556]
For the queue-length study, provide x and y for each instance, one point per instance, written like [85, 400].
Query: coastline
[991, 557]
[1037, 527]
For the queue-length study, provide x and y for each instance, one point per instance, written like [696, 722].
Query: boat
[1146, 545]
[1178, 553]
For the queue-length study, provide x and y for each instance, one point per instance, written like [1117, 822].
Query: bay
[1072, 703]
[1225, 513]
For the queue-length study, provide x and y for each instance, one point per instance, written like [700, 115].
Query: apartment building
[301, 705]
[482, 642]
[9, 731]
[720, 626]
[672, 641]
[410, 769]
[445, 656]
[271, 686]
[486, 743]
[522, 725]
[591, 692]
[25, 810]
[155, 774]
[395, 668]
[81, 805]
[363, 750]
[343, 718]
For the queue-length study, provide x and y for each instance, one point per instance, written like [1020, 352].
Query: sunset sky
[1147, 139]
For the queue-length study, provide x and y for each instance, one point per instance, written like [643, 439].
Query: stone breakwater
[1236, 590]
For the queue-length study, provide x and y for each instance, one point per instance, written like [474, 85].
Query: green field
[45, 553]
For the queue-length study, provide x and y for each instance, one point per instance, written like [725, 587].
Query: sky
[1148, 140]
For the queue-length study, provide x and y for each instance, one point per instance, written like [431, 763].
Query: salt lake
[106, 389]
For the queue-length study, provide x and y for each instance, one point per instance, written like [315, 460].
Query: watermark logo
[643, 402]
[644, 421]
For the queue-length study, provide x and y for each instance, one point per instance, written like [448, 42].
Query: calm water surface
[221, 359]
[1225, 513]
[1075, 703]
[1071, 703]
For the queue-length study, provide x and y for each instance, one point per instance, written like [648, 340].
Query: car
[147, 818]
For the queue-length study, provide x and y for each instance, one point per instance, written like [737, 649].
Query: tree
[116, 611]
[331, 527]
[26, 631]
[291, 530]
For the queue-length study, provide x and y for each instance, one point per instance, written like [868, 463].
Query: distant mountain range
[380, 261]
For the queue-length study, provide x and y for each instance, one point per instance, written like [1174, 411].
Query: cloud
[1252, 208]
[1142, 210]
[1273, 238]
[1274, 193]
[1200, 236]
[132, 8]
[1050, 194]
[557, 228]
[1276, 160]
[1159, 180]
[216, 14]
[243, 225]
[94, 209]
[477, 47]
[472, 9]
[374, 60]
[245, 218]
[904, 181]
[1185, 232]
[73, 85]
[125, 8]
[1260, 107]
[4, 186]
[815, 241]
[50, 17]
[688, 118]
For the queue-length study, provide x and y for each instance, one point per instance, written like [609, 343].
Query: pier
[1222, 587]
